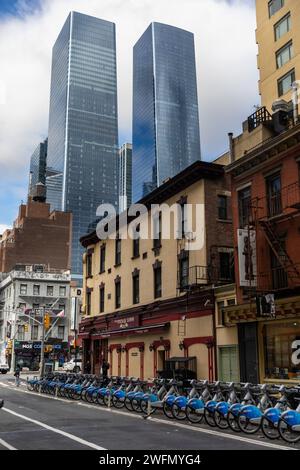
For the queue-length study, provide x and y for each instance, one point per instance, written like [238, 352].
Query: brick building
[38, 236]
[266, 224]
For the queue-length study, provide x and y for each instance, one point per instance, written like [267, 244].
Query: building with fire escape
[266, 224]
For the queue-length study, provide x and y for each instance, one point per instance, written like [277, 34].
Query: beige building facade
[150, 300]
[278, 39]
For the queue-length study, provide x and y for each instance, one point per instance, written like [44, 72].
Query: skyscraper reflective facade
[125, 177]
[166, 135]
[83, 121]
[38, 164]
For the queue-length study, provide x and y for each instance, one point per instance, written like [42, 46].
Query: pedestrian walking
[17, 375]
[105, 367]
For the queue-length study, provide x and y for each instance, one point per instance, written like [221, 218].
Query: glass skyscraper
[83, 122]
[38, 164]
[166, 135]
[125, 177]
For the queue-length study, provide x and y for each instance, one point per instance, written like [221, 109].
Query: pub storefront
[138, 342]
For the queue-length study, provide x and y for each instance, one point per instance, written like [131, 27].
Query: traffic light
[26, 327]
[47, 321]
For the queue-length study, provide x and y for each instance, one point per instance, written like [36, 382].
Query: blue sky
[8, 6]
[226, 66]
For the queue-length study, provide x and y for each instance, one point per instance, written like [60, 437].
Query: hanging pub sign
[247, 257]
[266, 307]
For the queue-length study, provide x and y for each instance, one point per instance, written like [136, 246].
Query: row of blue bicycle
[242, 407]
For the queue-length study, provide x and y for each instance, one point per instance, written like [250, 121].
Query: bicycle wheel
[220, 420]
[246, 426]
[89, 397]
[178, 412]
[117, 403]
[100, 399]
[167, 409]
[287, 434]
[209, 417]
[30, 387]
[145, 409]
[233, 422]
[193, 415]
[269, 429]
[75, 395]
[128, 404]
[136, 405]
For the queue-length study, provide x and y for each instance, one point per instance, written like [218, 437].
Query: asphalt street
[30, 421]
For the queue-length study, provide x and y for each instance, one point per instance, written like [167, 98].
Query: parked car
[74, 365]
[3, 368]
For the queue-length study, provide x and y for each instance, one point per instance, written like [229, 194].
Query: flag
[61, 314]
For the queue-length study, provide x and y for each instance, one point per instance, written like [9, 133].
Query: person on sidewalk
[17, 375]
[1, 403]
[105, 367]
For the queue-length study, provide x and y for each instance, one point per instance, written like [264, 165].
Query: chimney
[280, 116]
[231, 148]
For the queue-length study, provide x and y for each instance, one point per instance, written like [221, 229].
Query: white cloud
[3, 228]
[226, 61]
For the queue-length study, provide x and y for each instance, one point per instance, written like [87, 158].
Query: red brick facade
[37, 237]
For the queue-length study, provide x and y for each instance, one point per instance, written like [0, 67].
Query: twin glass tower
[166, 136]
[82, 158]
[83, 121]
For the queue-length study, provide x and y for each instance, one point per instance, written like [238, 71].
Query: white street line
[6, 445]
[57, 431]
[169, 423]
[220, 434]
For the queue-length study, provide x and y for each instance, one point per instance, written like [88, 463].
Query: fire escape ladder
[279, 250]
[181, 327]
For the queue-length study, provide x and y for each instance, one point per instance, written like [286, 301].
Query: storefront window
[279, 340]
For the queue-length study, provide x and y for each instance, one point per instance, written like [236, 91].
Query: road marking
[6, 445]
[37, 394]
[57, 431]
[220, 434]
[169, 423]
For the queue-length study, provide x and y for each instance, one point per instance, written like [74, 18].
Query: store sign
[123, 323]
[247, 257]
[35, 346]
[266, 307]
